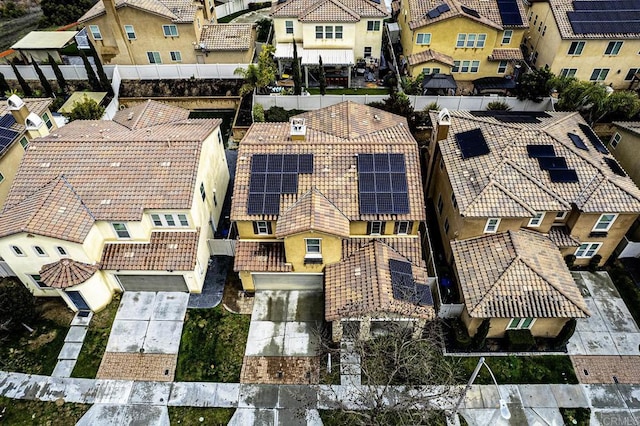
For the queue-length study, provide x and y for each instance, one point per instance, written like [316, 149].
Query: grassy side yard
[522, 369]
[576, 416]
[629, 292]
[18, 412]
[212, 346]
[192, 415]
[95, 342]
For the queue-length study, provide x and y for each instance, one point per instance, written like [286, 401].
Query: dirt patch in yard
[54, 309]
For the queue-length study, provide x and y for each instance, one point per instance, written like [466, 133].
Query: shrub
[565, 334]
[480, 338]
[461, 334]
[17, 306]
[519, 340]
[594, 262]
[279, 114]
[498, 106]
[258, 113]
[433, 106]
[570, 259]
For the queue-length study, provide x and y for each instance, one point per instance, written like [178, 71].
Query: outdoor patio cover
[329, 56]
[439, 81]
[285, 51]
[488, 83]
[40, 40]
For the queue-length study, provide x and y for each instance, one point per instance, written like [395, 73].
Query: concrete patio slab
[595, 322]
[64, 368]
[163, 337]
[136, 305]
[598, 283]
[631, 395]
[604, 396]
[105, 414]
[598, 343]
[575, 345]
[193, 394]
[543, 416]
[53, 389]
[616, 315]
[627, 343]
[81, 319]
[70, 351]
[227, 394]
[537, 396]
[253, 396]
[80, 390]
[249, 416]
[301, 339]
[569, 396]
[473, 398]
[170, 306]
[294, 417]
[297, 396]
[76, 334]
[127, 335]
[612, 417]
[265, 338]
[113, 391]
[151, 393]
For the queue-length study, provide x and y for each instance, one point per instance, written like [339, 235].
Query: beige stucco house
[101, 206]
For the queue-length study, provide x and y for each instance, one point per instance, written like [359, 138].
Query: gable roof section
[230, 37]
[429, 55]
[361, 284]
[177, 11]
[325, 10]
[329, 10]
[630, 126]
[560, 9]
[485, 12]
[149, 114]
[516, 275]
[312, 212]
[66, 273]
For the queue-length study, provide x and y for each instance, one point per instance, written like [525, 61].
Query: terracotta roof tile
[560, 236]
[487, 10]
[227, 36]
[559, 8]
[328, 10]
[66, 273]
[631, 126]
[312, 212]
[506, 55]
[258, 256]
[329, 13]
[35, 105]
[149, 114]
[165, 251]
[429, 55]
[516, 275]
[178, 11]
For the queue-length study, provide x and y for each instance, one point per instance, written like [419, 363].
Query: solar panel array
[382, 184]
[513, 117]
[469, 11]
[437, 11]
[472, 143]
[577, 141]
[605, 17]
[6, 134]
[615, 167]
[509, 12]
[594, 139]
[405, 288]
[273, 175]
[557, 167]
[537, 151]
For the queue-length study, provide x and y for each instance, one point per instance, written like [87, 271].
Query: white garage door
[153, 282]
[287, 281]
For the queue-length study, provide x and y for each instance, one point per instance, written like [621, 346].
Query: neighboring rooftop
[329, 10]
[227, 37]
[631, 126]
[10, 130]
[178, 11]
[40, 40]
[597, 19]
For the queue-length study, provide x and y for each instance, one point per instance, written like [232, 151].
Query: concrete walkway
[72, 344]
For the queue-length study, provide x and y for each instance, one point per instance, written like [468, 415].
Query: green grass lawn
[576, 416]
[629, 292]
[212, 346]
[95, 342]
[353, 91]
[18, 412]
[522, 369]
[192, 415]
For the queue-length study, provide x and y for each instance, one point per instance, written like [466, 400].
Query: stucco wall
[627, 152]
[542, 327]
[295, 249]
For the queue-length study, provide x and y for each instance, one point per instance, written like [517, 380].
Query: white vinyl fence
[229, 8]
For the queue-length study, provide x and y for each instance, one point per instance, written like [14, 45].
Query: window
[403, 227]
[24, 142]
[454, 202]
[560, 216]
[170, 30]
[375, 228]
[440, 203]
[544, 31]
[313, 246]
[367, 52]
[61, 251]
[502, 67]
[492, 225]
[131, 33]
[1, 178]
[536, 220]
[471, 40]
[613, 48]
[441, 163]
[373, 25]
[631, 73]
[328, 31]
[215, 199]
[176, 56]
[446, 226]
[338, 31]
[461, 40]
[456, 66]
[319, 33]
[465, 66]
[506, 36]
[604, 222]
[170, 220]
[423, 38]
[568, 72]
[121, 230]
[475, 66]
[520, 324]
[288, 27]
[576, 48]
[587, 250]
[38, 281]
[261, 227]
[599, 74]
[47, 120]
[203, 194]
[154, 57]
[615, 140]
[95, 32]
[40, 251]
[17, 251]
[427, 71]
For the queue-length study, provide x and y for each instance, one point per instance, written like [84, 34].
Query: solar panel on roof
[434, 13]
[305, 163]
[536, 151]
[563, 175]
[513, 117]
[398, 182]
[423, 295]
[290, 163]
[443, 8]
[509, 12]
[383, 182]
[7, 121]
[404, 286]
[273, 184]
[274, 163]
[577, 141]
[396, 162]
[256, 182]
[606, 5]
[365, 163]
[401, 202]
[548, 163]
[255, 203]
[9, 134]
[376, 1]
[472, 143]
[289, 183]
[470, 11]
[259, 163]
[4, 142]
[594, 139]
[367, 182]
[381, 162]
[271, 203]
[614, 17]
[368, 204]
[614, 166]
[380, 178]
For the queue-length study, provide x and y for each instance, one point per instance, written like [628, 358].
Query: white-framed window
[471, 40]
[154, 57]
[446, 225]
[1, 178]
[441, 163]
[506, 36]
[328, 31]
[631, 73]
[131, 33]
[262, 227]
[319, 32]
[423, 38]
[121, 230]
[427, 71]
[502, 67]
[466, 66]
[440, 203]
[613, 48]
[176, 56]
[170, 220]
[587, 250]
[560, 216]
[492, 225]
[17, 251]
[454, 201]
[170, 30]
[313, 247]
[62, 251]
[536, 220]
[376, 227]
[24, 142]
[520, 323]
[373, 25]
[456, 66]
[47, 120]
[605, 222]
[338, 32]
[599, 74]
[40, 251]
[460, 42]
[288, 27]
[203, 193]
[367, 52]
[38, 281]
[576, 48]
[95, 32]
[403, 227]
[615, 140]
[568, 72]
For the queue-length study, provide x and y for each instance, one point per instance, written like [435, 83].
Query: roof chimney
[444, 121]
[298, 129]
[18, 108]
[35, 126]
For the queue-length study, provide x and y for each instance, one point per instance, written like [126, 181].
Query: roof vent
[298, 129]
[33, 122]
[357, 272]
[62, 209]
[173, 246]
[129, 254]
[130, 116]
[165, 163]
[45, 165]
[14, 103]
[116, 164]
[376, 117]
[105, 201]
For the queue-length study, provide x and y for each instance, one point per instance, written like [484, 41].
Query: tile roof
[506, 55]
[361, 284]
[35, 105]
[312, 212]
[149, 114]
[506, 182]
[631, 126]
[165, 251]
[335, 136]
[517, 274]
[259, 256]
[66, 273]
[329, 10]
[408, 246]
[227, 37]
[429, 55]
[115, 171]
[487, 10]
[561, 237]
[177, 11]
[559, 8]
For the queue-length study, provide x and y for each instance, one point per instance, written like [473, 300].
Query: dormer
[298, 129]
